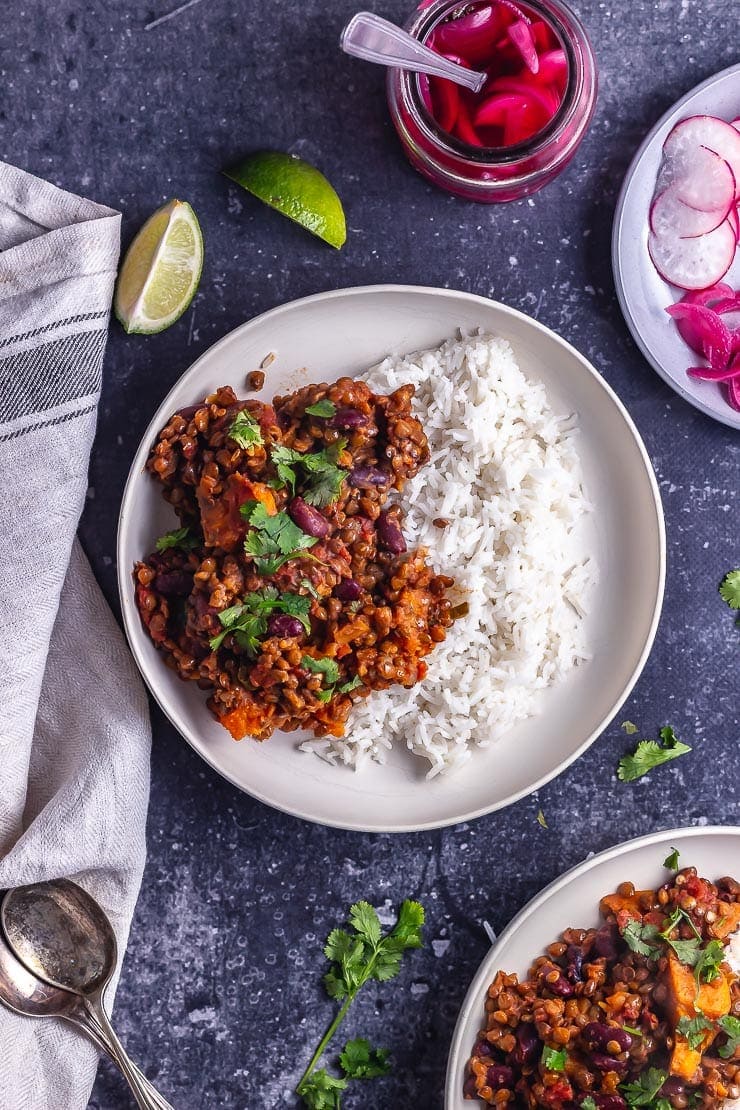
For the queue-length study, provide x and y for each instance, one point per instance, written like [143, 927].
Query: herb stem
[325, 1041]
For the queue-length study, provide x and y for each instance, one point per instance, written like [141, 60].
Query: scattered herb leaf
[321, 479]
[358, 955]
[731, 1026]
[360, 1061]
[729, 588]
[181, 537]
[629, 728]
[651, 753]
[671, 861]
[347, 687]
[553, 1059]
[645, 1088]
[694, 1029]
[641, 938]
[706, 969]
[323, 408]
[273, 540]
[324, 666]
[245, 430]
[541, 819]
[631, 1029]
[588, 1103]
[248, 620]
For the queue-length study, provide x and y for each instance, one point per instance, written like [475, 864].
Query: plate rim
[473, 995]
[126, 595]
[616, 244]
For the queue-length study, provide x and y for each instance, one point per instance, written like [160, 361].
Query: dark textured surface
[219, 999]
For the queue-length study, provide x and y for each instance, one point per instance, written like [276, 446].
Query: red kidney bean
[348, 590]
[604, 1062]
[574, 963]
[390, 535]
[527, 1044]
[597, 1035]
[346, 419]
[606, 1102]
[284, 625]
[366, 477]
[561, 987]
[188, 412]
[469, 1090]
[482, 1048]
[308, 518]
[605, 942]
[174, 583]
[499, 1075]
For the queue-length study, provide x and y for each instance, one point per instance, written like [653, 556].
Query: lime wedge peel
[295, 188]
[161, 270]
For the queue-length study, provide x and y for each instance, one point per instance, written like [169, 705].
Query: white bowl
[318, 339]
[573, 901]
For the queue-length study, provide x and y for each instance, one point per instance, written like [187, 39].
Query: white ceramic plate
[643, 294]
[317, 339]
[573, 901]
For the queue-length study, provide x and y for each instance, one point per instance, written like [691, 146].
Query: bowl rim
[473, 995]
[130, 615]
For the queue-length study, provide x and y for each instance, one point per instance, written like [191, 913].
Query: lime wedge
[161, 270]
[295, 188]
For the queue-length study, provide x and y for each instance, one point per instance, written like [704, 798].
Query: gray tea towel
[75, 738]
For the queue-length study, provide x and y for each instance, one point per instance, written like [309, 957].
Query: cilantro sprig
[273, 540]
[248, 620]
[731, 1027]
[729, 588]
[644, 939]
[244, 430]
[320, 476]
[553, 1059]
[650, 754]
[644, 1089]
[671, 861]
[180, 537]
[694, 1029]
[330, 671]
[325, 408]
[360, 954]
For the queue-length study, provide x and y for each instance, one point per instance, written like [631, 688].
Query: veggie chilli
[641, 1012]
[288, 591]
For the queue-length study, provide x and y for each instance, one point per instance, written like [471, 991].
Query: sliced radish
[734, 220]
[528, 87]
[520, 34]
[709, 374]
[693, 263]
[669, 213]
[735, 123]
[553, 69]
[733, 392]
[709, 131]
[704, 331]
[702, 179]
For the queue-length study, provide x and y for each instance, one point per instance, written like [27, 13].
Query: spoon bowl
[61, 934]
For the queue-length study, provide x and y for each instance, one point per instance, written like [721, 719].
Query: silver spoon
[28, 996]
[374, 39]
[60, 933]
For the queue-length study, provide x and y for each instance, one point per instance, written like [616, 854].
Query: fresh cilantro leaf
[662, 1104]
[640, 938]
[273, 540]
[553, 1059]
[694, 1029]
[324, 666]
[181, 537]
[365, 921]
[248, 620]
[688, 951]
[360, 1061]
[731, 1026]
[324, 695]
[706, 968]
[631, 1029]
[323, 408]
[729, 588]
[284, 459]
[651, 753]
[588, 1103]
[630, 729]
[645, 1088]
[245, 430]
[309, 586]
[322, 1091]
[671, 861]
[541, 819]
[347, 687]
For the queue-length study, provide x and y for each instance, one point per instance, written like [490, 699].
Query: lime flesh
[161, 270]
[295, 188]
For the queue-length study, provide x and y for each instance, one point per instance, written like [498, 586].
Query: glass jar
[493, 174]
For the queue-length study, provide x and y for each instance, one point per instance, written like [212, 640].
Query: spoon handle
[99, 1038]
[147, 1097]
[374, 39]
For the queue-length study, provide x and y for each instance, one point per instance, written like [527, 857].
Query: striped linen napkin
[75, 737]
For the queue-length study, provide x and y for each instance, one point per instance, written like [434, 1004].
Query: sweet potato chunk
[619, 903]
[729, 922]
[247, 720]
[712, 999]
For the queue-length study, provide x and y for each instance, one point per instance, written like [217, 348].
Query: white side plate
[643, 295]
[344, 332]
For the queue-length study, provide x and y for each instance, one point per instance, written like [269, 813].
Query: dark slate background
[220, 999]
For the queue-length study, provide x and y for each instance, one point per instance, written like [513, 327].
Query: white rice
[505, 472]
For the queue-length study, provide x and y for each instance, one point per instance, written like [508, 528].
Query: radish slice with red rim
[709, 374]
[553, 69]
[702, 179]
[707, 131]
[669, 213]
[520, 34]
[693, 263]
[733, 392]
